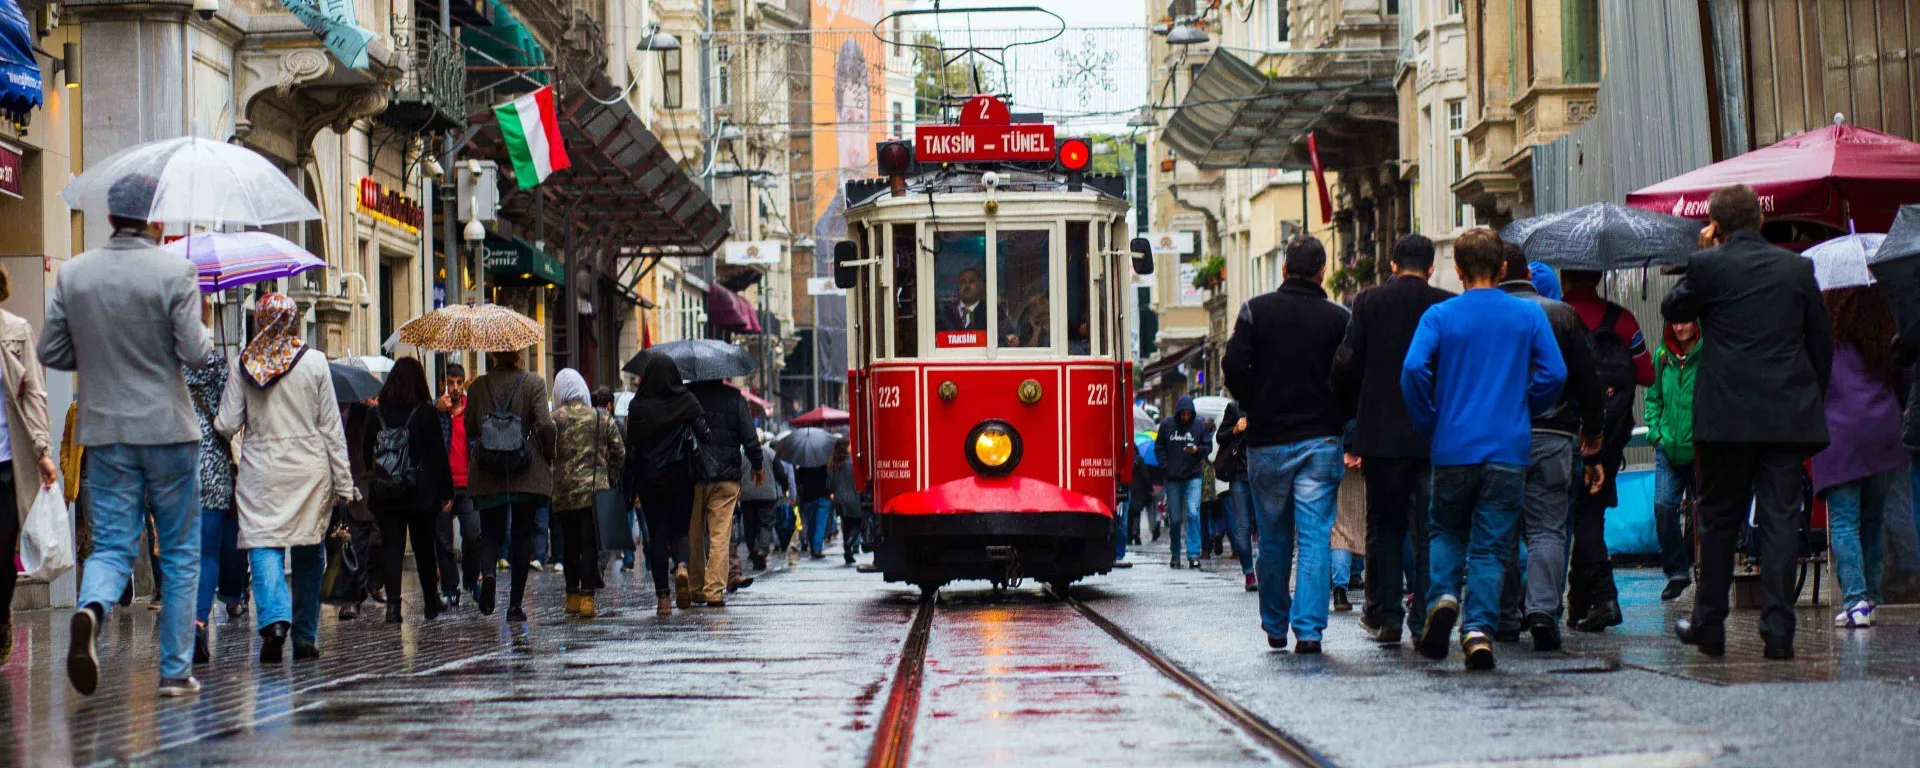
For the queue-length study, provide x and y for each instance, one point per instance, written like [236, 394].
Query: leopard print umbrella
[476, 327]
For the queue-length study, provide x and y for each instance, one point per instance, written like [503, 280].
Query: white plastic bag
[46, 543]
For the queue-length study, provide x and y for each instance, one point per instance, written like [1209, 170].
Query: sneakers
[1175, 563]
[176, 687]
[1253, 583]
[536, 565]
[1340, 602]
[83, 666]
[1193, 564]
[1479, 650]
[558, 568]
[1674, 588]
[1306, 647]
[1856, 616]
[1440, 618]
[1545, 631]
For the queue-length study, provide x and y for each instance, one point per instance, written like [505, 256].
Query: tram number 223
[886, 397]
[1099, 394]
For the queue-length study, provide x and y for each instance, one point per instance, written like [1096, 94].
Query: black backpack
[1613, 361]
[503, 438]
[394, 473]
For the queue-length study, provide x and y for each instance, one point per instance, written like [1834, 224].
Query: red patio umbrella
[1837, 173]
[822, 417]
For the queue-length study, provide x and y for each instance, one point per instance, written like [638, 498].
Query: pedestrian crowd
[1478, 440]
[256, 477]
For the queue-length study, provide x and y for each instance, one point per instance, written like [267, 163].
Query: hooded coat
[1176, 436]
[661, 405]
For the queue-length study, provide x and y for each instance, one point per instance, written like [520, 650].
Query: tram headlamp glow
[993, 448]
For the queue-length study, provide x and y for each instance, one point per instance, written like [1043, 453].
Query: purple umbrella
[230, 259]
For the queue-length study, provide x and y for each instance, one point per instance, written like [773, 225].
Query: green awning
[515, 262]
[506, 43]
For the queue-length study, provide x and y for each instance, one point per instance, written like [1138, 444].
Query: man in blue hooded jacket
[1182, 447]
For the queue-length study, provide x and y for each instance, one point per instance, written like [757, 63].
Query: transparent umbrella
[1842, 261]
[191, 180]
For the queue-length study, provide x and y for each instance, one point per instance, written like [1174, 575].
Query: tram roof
[968, 181]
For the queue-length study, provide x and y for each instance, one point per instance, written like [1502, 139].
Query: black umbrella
[698, 359]
[1605, 236]
[352, 384]
[806, 447]
[1897, 269]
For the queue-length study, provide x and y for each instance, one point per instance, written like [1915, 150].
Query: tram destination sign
[986, 133]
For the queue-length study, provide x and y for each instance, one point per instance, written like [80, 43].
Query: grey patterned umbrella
[1897, 268]
[698, 359]
[1605, 236]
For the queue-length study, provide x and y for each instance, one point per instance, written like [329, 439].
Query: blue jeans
[819, 513]
[219, 535]
[1856, 516]
[271, 602]
[1183, 515]
[1242, 505]
[1672, 485]
[1298, 485]
[1120, 530]
[1475, 510]
[1342, 568]
[121, 481]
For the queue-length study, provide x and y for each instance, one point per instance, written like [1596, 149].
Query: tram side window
[960, 289]
[906, 327]
[1079, 332]
[1026, 311]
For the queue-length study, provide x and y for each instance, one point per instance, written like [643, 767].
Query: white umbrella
[377, 365]
[193, 180]
[1842, 261]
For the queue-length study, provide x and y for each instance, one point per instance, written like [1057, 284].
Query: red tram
[991, 418]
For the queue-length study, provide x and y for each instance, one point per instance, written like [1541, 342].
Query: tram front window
[1026, 319]
[960, 289]
[1079, 332]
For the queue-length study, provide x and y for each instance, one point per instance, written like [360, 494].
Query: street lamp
[1185, 33]
[1143, 120]
[657, 40]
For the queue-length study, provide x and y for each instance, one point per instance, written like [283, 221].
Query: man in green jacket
[1669, 417]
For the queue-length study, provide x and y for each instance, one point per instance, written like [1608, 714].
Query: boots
[573, 604]
[1605, 613]
[682, 588]
[393, 612]
[272, 639]
[586, 609]
[666, 606]
[484, 600]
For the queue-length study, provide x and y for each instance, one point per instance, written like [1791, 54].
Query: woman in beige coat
[25, 440]
[293, 466]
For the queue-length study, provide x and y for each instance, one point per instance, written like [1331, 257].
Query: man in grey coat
[126, 317]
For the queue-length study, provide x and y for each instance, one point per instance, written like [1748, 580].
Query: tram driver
[968, 309]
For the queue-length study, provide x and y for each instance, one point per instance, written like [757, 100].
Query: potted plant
[1212, 274]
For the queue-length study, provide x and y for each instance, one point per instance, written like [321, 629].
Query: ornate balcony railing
[431, 96]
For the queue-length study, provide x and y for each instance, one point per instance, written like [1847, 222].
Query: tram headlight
[993, 448]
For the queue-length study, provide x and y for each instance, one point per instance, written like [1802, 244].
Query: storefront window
[906, 287]
[1026, 318]
[960, 289]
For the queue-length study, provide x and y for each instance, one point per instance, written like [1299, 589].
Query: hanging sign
[10, 160]
[1171, 243]
[823, 286]
[986, 133]
[753, 252]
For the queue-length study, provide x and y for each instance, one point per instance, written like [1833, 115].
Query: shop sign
[10, 163]
[1170, 242]
[823, 286]
[753, 252]
[390, 206]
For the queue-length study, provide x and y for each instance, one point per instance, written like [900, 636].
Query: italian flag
[531, 127]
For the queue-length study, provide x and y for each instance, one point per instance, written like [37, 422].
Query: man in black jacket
[1580, 415]
[1759, 409]
[1366, 374]
[730, 436]
[1278, 365]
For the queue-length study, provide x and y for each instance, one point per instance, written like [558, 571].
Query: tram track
[893, 741]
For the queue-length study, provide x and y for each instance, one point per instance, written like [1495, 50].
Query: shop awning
[1235, 116]
[726, 311]
[623, 189]
[507, 43]
[511, 261]
[1167, 362]
[19, 70]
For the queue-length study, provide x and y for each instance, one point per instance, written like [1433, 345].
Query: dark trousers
[494, 523]
[1589, 567]
[668, 509]
[579, 530]
[852, 532]
[1734, 477]
[400, 524]
[9, 541]
[467, 572]
[755, 526]
[1399, 501]
[364, 538]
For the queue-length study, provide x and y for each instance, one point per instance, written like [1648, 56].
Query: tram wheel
[928, 589]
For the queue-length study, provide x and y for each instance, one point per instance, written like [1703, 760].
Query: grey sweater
[126, 317]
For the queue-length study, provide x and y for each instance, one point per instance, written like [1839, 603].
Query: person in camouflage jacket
[589, 450]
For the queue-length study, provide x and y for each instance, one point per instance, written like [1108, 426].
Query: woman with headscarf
[293, 466]
[588, 451]
[662, 409]
[409, 482]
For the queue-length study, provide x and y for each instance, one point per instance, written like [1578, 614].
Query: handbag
[345, 580]
[700, 463]
[610, 512]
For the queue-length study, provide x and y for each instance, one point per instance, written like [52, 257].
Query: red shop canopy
[1829, 175]
[823, 416]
